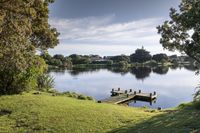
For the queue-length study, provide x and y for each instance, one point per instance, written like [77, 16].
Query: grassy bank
[61, 114]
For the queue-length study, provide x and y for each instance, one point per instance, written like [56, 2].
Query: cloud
[104, 36]
[103, 29]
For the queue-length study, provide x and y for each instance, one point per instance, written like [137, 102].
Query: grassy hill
[61, 114]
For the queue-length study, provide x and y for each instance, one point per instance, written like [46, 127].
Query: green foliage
[59, 57]
[45, 82]
[78, 59]
[57, 60]
[77, 96]
[120, 58]
[23, 29]
[182, 31]
[160, 57]
[197, 98]
[122, 64]
[140, 56]
[16, 78]
[109, 63]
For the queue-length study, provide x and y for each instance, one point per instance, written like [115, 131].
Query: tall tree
[182, 31]
[140, 56]
[23, 29]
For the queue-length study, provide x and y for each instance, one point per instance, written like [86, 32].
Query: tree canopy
[23, 29]
[160, 57]
[182, 31]
[140, 56]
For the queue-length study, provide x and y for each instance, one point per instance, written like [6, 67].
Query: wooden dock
[121, 96]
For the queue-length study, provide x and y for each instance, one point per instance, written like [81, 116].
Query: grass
[60, 114]
[179, 120]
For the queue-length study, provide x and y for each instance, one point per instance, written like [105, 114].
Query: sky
[109, 27]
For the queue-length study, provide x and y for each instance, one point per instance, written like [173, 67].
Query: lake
[173, 85]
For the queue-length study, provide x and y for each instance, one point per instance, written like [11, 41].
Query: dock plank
[121, 96]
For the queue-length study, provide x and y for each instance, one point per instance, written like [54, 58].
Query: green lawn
[61, 114]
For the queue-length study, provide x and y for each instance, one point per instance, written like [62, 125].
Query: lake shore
[44, 112]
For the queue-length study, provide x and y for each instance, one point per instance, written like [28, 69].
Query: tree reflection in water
[161, 70]
[140, 73]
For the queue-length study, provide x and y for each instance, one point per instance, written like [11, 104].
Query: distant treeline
[141, 56]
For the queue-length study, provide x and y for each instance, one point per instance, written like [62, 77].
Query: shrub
[197, 98]
[45, 82]
[82, 97]
[160, 57]
[16, 78]
[89, 98]
[75, 95]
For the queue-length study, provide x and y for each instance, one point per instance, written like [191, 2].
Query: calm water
[173, 85]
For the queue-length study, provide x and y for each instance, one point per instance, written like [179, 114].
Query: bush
[75, 95]
[82, 97]
[197, 98]
[45, 82]
[122, 64]
[89, 98]
[160, 57]
[18, 77]
[197, 104]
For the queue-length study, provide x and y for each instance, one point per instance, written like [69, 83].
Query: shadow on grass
[182, 120]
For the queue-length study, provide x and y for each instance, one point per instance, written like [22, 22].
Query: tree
[182, 31]
[23, 29]
[120, 58]
[160, 57]
[59, 56]
[140, 56]
[46, 56]
[77, 59]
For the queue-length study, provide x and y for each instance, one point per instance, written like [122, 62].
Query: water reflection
[174, 84]
[161, 70]
[120, 70]
[141, 73]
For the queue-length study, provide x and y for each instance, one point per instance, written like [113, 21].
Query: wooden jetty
[121, 96]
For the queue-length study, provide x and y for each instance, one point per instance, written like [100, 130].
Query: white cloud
[104, 35]
[95, 29]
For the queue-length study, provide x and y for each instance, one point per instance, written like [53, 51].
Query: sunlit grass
[60, 114]
[46, 113]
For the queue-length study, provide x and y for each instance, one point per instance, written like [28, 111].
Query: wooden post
[118, 89]
[140, 91]
[154, 93]
[151, 95]
[134, 92]
[131, 90]
[126, 91]
[127, 95]
[150, 102]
